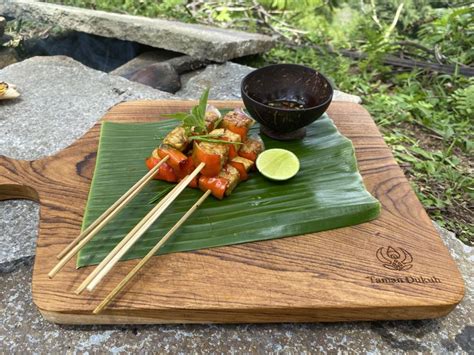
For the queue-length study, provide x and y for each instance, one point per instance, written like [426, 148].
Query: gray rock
[186, 63]
[23, 330]
[18, 231]
[7, 57]
[224, 81]
[463, 255]
[342, 96]
[142, 61]
[60, 100]
[195, 40]
[159, 69]
[161, 76]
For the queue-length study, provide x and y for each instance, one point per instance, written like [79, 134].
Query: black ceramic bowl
[270, 92]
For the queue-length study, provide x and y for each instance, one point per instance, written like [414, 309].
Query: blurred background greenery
[426, 115]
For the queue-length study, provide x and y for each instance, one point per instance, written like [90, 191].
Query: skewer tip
[66, 250]
[53, 272]
[101, 307]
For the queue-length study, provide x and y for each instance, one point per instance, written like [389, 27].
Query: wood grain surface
[339, 275]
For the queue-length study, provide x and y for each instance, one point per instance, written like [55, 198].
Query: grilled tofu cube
[177, 139]
[211, 118]
[248, 164]
[232, 175]
[243, 166]
[251, 148]
[229, 136]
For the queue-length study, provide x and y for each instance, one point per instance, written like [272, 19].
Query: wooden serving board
[395, 267]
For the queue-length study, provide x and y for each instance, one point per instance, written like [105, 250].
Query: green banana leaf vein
[327, 193]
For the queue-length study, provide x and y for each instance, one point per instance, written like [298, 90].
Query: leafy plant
[195, 120]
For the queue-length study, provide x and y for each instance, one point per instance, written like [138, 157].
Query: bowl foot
[283, 136]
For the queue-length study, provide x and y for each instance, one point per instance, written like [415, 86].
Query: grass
[426, 117]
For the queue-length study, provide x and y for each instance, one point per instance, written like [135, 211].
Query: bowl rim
[328, 100]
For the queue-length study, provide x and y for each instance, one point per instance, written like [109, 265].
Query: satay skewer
[111, 296]
[82, 239]
[129, 240]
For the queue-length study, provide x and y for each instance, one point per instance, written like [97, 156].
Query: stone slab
[223, 79]
[60, 100]
[195, 40]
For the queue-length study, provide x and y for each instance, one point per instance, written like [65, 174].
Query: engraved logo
[395, 258]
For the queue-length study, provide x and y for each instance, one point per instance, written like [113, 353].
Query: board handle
[14, 180]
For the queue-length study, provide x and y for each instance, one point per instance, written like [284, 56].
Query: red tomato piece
[215, 184]
[165, 172]
[181, 164]
[213, 161]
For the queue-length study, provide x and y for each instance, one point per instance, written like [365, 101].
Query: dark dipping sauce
[286, 104]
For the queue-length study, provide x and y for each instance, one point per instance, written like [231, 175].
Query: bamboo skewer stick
[115, 208]
[150, 219]
[122, 243]
[111, 296]
[81, 240]
[107, 264]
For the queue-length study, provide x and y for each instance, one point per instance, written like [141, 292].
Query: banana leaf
[327, 193]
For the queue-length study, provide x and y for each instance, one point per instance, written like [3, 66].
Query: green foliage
[462, 100]
[149, 8]
[195, 120]
[453, 32]
[297, 5]
[413, 11]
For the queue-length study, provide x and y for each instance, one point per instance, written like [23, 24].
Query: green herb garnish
[195, 120]
[211, 138]
[160, 194]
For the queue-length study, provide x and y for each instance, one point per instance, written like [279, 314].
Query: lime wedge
[278, 164]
